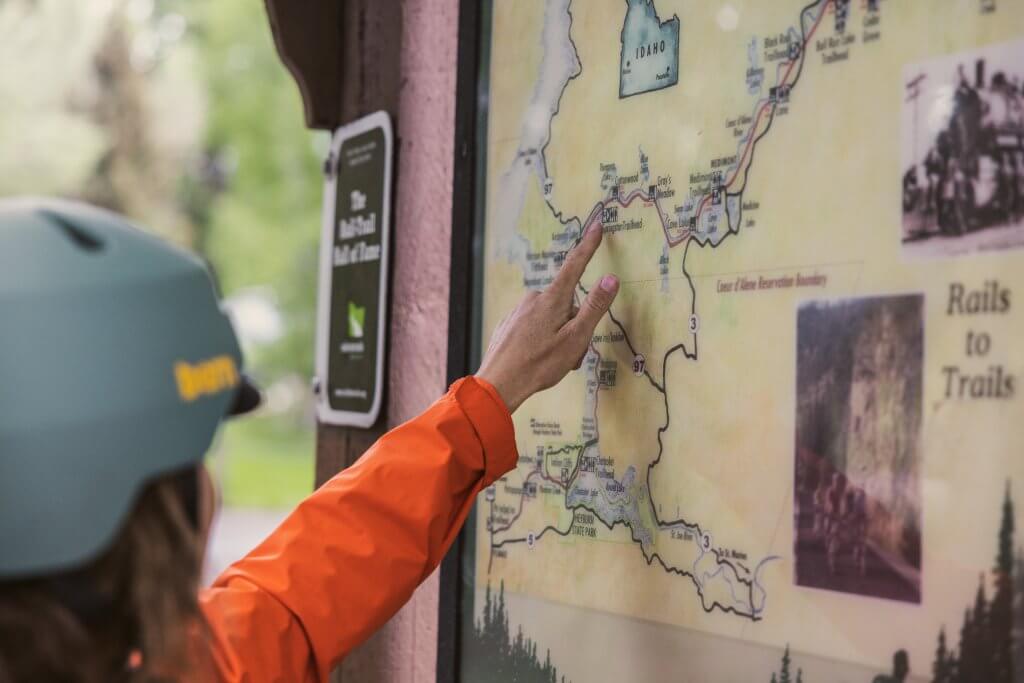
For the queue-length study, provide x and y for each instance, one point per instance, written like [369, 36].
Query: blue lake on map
[650, 50]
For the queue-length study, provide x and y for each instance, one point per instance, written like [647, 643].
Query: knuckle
[579, 340]
[569, 264]
[598, 302]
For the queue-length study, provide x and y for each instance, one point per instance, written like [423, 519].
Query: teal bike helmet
[117, 365]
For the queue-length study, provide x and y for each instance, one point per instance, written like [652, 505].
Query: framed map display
[795, 448]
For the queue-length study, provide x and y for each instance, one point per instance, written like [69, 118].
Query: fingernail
[609, 283]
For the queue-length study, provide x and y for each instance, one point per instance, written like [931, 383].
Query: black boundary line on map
[551, 124]
[648, 557]
[739, 194]
[737, 567]
[754, 616]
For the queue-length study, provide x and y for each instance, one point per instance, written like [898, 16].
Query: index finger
[577, 259]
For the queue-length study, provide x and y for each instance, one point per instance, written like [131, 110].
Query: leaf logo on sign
[356, 319]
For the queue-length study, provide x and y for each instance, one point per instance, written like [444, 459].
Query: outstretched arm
[353, 552]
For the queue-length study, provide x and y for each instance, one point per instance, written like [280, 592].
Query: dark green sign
[354, 273]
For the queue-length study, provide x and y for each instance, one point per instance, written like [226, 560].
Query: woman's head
[119, 366]
[133, 606]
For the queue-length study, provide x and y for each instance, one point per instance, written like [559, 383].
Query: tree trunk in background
[138, 173]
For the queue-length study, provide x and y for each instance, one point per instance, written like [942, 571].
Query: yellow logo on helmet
[206, 377]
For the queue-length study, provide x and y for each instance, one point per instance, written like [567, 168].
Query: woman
[117, 366]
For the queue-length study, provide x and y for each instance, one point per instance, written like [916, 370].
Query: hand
[546, 335]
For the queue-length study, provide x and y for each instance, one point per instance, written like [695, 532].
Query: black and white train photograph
[963, 153]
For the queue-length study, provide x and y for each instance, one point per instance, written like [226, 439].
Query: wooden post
[370, 54]
[345, 57]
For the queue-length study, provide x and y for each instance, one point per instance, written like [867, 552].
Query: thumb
[597, 303]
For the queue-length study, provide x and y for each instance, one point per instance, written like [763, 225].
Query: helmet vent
[83, 239]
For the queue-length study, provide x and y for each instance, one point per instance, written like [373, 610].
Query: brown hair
[135, 602]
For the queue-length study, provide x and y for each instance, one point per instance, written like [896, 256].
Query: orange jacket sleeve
[352, 553]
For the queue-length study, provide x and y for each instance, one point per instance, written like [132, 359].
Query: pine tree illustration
[981, 646]
[1000, 616]
[502, 657]
[992, 632]
[784, 673]
[942, 671]
[1018, 619]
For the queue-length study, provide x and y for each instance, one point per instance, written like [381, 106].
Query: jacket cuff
[492, 422]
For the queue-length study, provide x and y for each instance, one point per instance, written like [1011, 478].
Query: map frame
[457, 596]
[465, 310]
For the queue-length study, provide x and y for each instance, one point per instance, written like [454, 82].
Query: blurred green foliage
[268, 463]
[179, 114]
[263, 228]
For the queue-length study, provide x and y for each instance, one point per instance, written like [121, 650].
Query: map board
[795, 448]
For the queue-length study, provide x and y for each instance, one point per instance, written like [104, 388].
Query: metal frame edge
[460, 302]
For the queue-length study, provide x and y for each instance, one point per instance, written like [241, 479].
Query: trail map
[795, 428]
